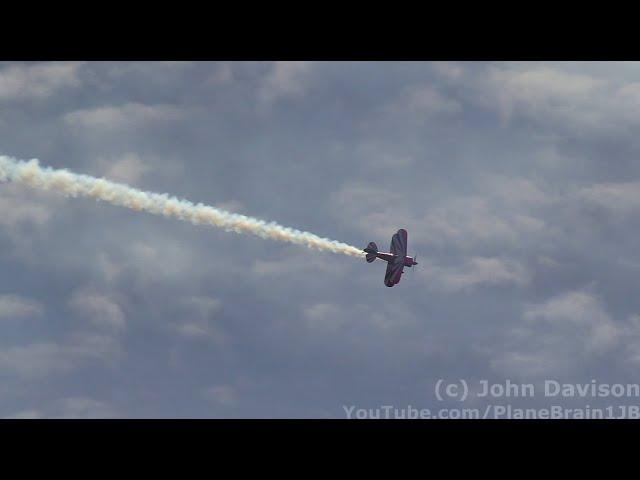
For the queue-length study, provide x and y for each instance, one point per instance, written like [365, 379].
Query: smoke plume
[30, 173]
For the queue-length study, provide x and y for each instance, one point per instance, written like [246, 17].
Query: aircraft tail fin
[371, 251]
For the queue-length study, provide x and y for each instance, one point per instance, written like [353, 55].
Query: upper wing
[393, 273]
[399, 243]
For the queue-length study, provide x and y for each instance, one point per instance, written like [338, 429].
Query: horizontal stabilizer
[372, 251]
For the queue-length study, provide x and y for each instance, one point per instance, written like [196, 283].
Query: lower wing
[393, 273]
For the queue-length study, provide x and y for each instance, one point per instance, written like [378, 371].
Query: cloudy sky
[519, 185]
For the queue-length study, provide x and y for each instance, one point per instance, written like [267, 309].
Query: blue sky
[519, 185]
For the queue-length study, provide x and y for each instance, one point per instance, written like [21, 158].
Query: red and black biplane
[396, 260]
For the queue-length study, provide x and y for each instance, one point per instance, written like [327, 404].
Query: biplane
[396, 259]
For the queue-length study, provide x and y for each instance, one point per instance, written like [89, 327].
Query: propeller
[415, 259]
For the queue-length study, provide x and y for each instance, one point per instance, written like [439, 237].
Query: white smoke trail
[71, 184]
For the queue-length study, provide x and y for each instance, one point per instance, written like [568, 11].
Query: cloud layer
[517, 182]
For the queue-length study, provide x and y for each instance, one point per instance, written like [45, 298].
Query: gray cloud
[97, 308]
[39, 359]
[563, 334]
[284, 79]
[28, 82]
[15, 306]
[129, 115]
[476, 271]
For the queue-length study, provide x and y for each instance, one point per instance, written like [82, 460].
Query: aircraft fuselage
[389, 257]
